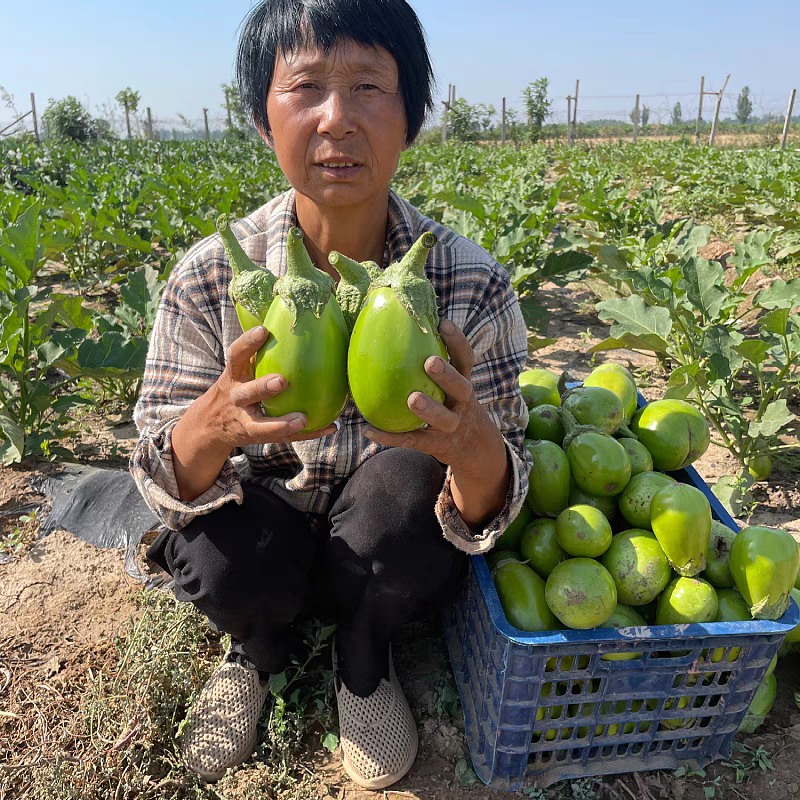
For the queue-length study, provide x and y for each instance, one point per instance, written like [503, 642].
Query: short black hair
[283, 26]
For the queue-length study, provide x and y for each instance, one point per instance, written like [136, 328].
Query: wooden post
[636, 120]
[205, 120]
[786, 123]
[149, 124]
[716, 113]
[503, 125]
[575, 112]
[446, 105]
[228, 107]
[35, 121]
[127, 119]
[569, 120]
[700, 110]
[454, 94]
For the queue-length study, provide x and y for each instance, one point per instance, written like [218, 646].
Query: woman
[369, 527]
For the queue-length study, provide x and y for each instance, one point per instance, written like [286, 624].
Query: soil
[62, 602]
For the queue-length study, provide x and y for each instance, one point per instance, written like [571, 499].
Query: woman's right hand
[237, 418]
[229, 415]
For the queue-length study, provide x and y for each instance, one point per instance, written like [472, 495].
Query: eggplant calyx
[303, 287]
[407, 280]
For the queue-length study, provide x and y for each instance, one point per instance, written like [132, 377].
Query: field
[682, 263]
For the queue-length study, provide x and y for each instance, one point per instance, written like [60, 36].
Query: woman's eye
[307, 86]
[367, 86]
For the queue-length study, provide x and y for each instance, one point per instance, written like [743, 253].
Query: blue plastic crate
[544, 707]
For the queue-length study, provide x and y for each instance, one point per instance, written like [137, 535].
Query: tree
[744, 106]
[68, 119]
[645, 115]
[485, 116]
[677, 114]
[464, 120]
[538, 106]
[129, 100]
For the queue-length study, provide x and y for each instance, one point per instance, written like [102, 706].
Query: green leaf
[70, 312]
[733, 491]
[704, 283]
[277, 682]
[14, 440]
[536, 316]
[610, 257]
[632, 315]
[753, 251]
[23, 252]
[113, 355]
[776, 321]
[780, 294]
[753, 350]
[330, 741]
[141, 295]
[720, 345]
[464, 202]
[566, 261]
[628, 341]
[537, 343]
[776, 416]
[465, 774]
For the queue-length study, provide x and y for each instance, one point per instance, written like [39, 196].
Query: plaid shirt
[196, 324]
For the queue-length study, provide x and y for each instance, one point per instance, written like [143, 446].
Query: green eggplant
[395, 333]
[252, 287]
[307, 342]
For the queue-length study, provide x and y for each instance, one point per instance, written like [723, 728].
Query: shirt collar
[399, 233]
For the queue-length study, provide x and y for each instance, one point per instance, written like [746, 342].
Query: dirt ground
[61, 603]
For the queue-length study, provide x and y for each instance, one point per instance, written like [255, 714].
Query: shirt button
[326, 489]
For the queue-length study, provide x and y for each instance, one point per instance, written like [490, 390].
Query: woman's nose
[336, 115]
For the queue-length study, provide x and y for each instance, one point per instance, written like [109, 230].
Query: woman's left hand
[456, 428]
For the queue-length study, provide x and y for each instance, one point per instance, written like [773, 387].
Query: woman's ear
[265, 135]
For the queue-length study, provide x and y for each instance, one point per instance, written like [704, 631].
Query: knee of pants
[239, 569]
[385, 516]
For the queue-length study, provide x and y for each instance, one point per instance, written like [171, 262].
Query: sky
[176, 53]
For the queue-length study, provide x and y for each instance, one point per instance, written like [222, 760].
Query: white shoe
[378, 733]
[223, 721]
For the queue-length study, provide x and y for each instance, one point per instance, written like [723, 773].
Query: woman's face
[326, 111]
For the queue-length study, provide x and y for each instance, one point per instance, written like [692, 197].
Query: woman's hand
[236, 418]
[229, 415]
[459, 432]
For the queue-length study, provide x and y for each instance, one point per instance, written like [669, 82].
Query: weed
[750, 760]
[22, 538]
[117, 734]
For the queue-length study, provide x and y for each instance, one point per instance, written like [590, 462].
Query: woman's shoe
[223, 720]
[378, 733]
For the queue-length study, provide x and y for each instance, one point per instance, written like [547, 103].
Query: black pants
[377, 560]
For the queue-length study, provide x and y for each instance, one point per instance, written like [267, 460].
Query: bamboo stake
[716, 113]
[786, 123]
[35, 121]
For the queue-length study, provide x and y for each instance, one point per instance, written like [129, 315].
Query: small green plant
[738, 373]
[22, 538]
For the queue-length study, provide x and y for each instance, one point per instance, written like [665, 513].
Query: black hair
[283, 26]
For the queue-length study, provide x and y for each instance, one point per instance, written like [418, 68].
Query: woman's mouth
[339, 169]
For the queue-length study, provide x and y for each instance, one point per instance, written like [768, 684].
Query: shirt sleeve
[498, 337]
[185, 357]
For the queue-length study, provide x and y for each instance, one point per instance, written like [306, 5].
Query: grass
[115, 732]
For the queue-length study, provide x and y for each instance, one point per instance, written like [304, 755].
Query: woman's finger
[273, 429]
[251, 392]
[245, 346]
[434, 414]
[458, 347]
[455, 385]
